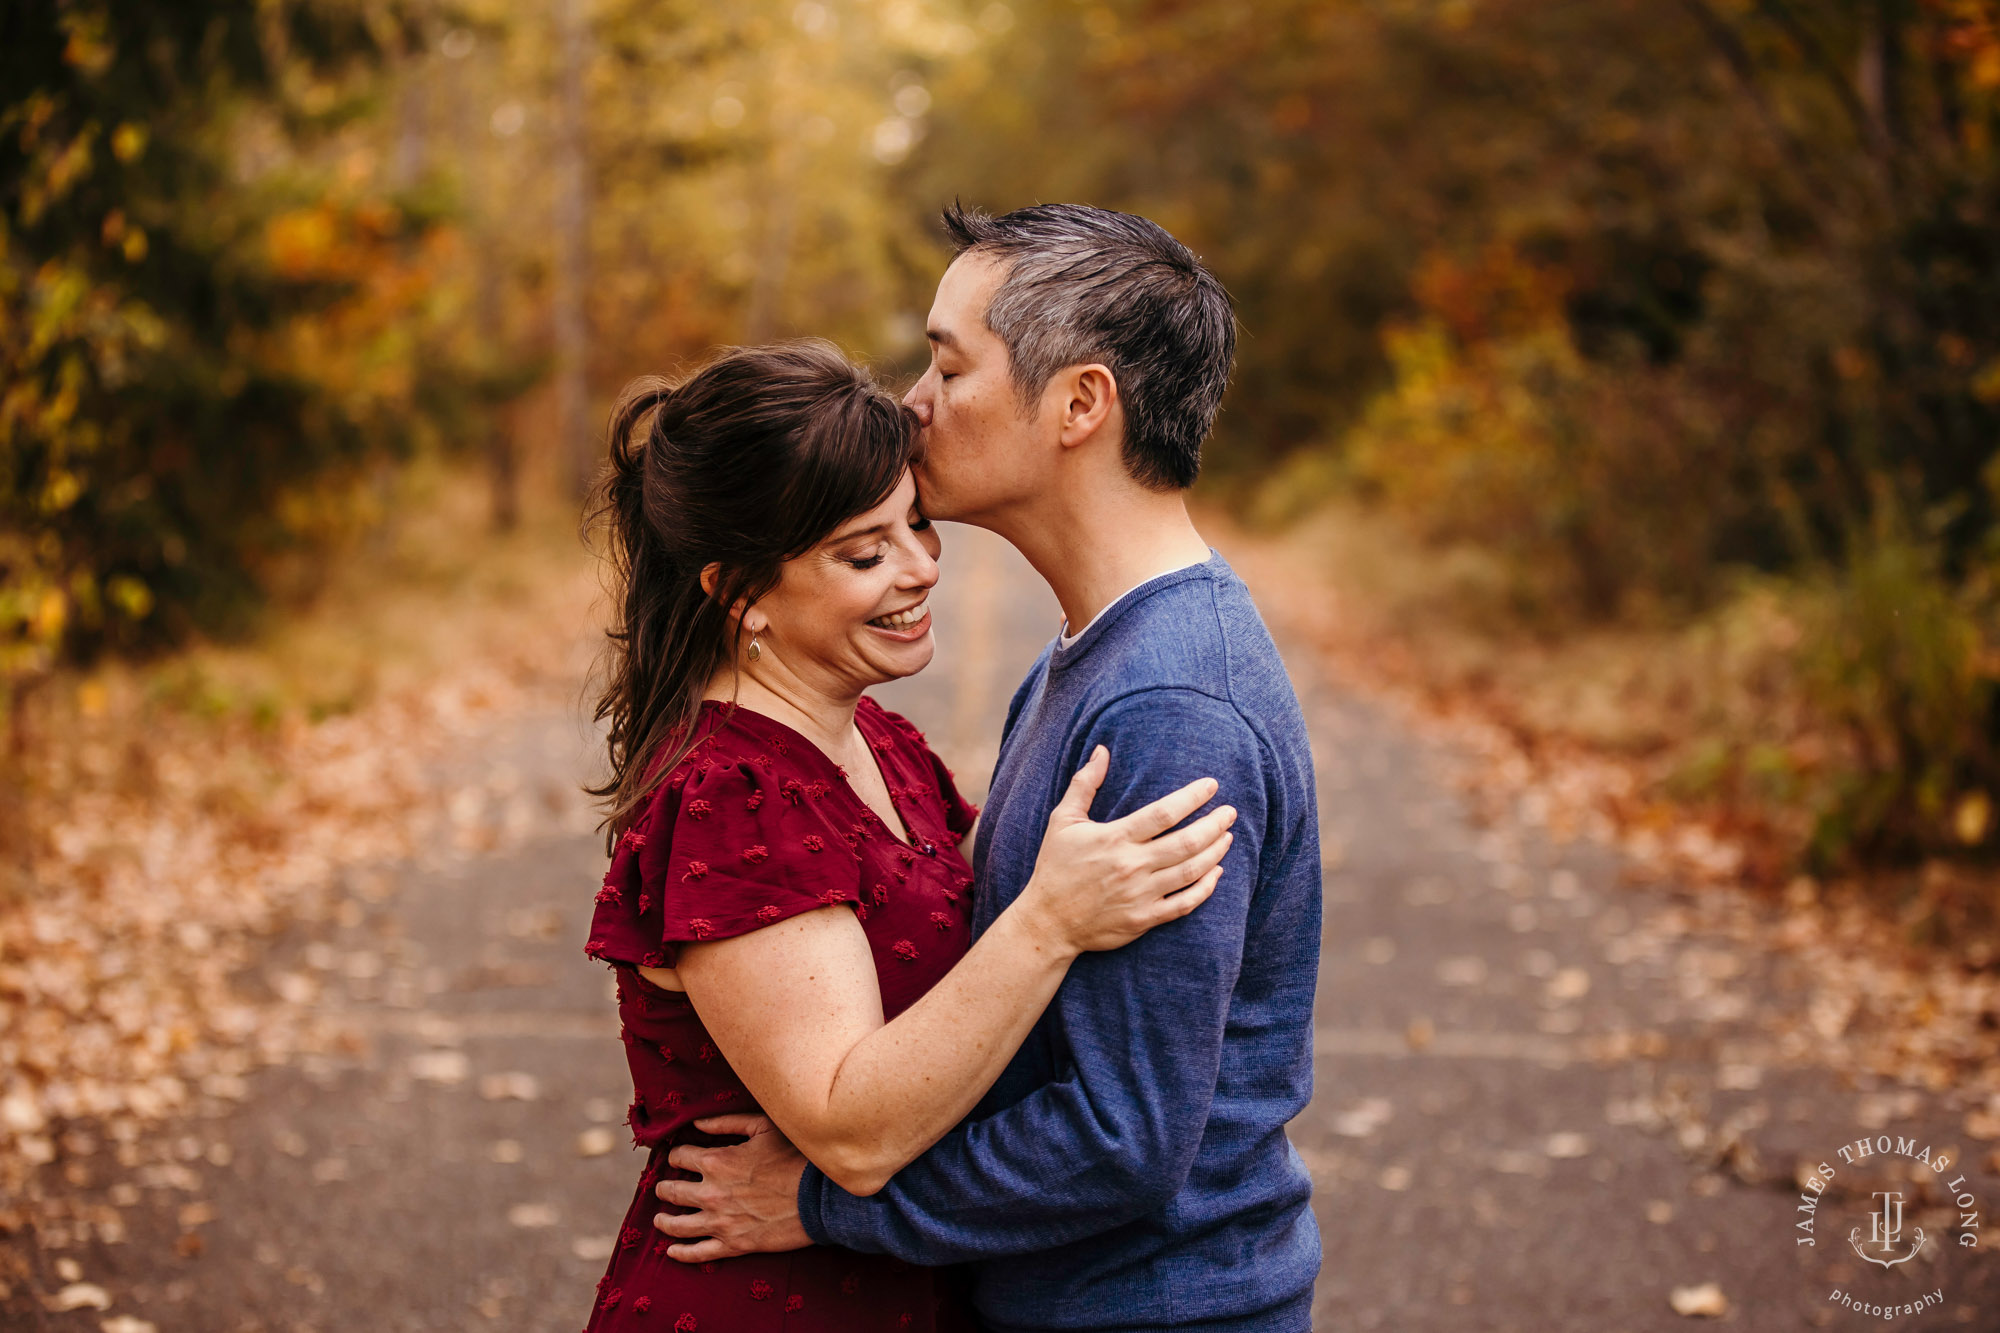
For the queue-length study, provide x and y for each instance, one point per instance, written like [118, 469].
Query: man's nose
[919, 402]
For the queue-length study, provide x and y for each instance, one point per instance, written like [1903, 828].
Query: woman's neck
[825, 720]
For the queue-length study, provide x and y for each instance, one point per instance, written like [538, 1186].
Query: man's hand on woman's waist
[747, 1200]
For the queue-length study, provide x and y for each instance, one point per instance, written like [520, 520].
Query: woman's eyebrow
[858, 532]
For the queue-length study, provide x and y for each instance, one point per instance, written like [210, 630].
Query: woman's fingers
[1172, 848]
[1177, 905]
[1075, 804]
[1183, 873]
[1150, 821]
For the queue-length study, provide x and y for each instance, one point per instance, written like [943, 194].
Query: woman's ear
[754, 621]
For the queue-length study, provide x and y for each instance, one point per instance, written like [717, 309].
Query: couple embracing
[883, 1087]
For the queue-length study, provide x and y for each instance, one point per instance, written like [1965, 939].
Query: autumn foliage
[214, 318]
[1666, 313]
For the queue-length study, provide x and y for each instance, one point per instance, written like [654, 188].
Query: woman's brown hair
[747, 463]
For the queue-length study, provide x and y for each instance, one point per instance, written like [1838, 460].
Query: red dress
[755, 825]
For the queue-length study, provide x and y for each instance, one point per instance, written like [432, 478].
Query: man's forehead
[959, 312]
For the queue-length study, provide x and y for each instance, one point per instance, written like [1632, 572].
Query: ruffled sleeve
[726, 848]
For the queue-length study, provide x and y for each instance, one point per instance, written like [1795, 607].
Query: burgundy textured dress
[755, 825]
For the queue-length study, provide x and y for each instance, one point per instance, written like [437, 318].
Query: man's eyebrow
[943, 337]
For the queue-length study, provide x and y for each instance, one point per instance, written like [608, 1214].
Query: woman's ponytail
[646, 699]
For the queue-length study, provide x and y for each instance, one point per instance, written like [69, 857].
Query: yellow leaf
[128, 141]
[1972, 818]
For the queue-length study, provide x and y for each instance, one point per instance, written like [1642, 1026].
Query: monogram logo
[1885, 1232]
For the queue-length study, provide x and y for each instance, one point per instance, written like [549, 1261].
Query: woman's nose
[924, 568]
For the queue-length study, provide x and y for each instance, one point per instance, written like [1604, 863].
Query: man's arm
[1113, 1138]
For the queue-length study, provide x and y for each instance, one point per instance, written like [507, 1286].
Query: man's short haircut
[1086, 284]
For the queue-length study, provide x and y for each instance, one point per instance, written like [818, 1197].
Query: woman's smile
[907, 625]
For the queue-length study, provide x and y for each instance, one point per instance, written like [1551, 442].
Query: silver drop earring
[755, 652]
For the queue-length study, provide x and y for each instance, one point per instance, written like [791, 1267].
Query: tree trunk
[570, 274]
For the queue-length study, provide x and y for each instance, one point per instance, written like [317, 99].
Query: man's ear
[1090, 396]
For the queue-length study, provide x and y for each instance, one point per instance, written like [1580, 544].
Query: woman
[787, 908]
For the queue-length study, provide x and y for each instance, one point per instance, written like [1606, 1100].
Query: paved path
[1541, 1104]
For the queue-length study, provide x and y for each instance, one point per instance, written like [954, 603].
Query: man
[1130, 1169]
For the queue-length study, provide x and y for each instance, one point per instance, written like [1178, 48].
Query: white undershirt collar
[1065, 639]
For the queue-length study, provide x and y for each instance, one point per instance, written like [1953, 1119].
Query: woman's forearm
[902, 1087]
[796, 1010]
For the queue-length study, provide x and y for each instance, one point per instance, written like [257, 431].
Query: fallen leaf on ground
[1395, 1178]
[125, 1323]
[1364, 1118]
[442, 1067]
[506, 1151]
[530, 1215]
[513, 1085]
[592, 1249]
[1512, 1163]
[1571, 983]
[1469, 971]
[595, 1142]
[1703, 1302]
[1566, 1144]
[81, 1296]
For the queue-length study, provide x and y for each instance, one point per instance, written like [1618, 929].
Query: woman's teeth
[901, 619]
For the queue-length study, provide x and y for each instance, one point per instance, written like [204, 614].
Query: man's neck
[1093, 553]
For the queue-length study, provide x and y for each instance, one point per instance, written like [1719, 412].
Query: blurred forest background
[1639, 363]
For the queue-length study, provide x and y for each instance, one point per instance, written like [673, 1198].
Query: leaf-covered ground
[318, 1050]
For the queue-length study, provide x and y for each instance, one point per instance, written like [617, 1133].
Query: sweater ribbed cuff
[812, 1202]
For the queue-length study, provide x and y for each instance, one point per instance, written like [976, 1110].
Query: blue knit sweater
[1130, 1169]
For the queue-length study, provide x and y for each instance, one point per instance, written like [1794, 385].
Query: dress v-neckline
[907, 838]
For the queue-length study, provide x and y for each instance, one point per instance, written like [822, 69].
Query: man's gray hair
[1086, 284]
